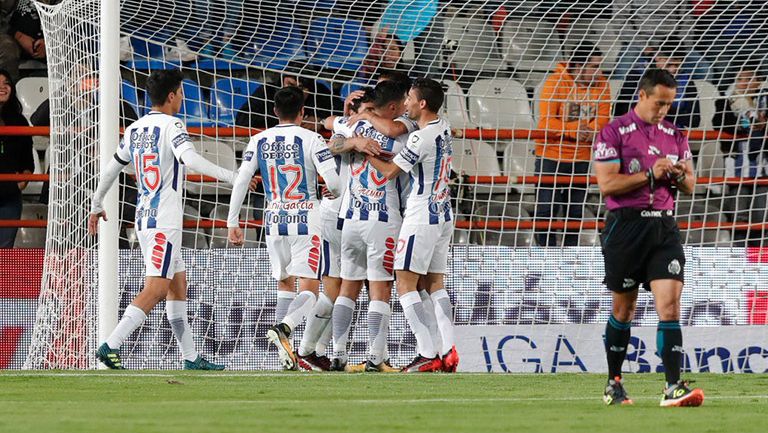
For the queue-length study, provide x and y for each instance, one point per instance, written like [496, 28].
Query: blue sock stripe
[669, 324]
[615, 323]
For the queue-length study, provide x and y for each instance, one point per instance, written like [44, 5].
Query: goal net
[525, 272]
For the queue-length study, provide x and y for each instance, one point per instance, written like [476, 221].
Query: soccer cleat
[202, 364]
[280, 336]
[679, 395]
[615, 394]
[357, 368]
[384, 367]
[109, 357]
[338, 364]
[451, 360]
[312, 362]
[421, 364]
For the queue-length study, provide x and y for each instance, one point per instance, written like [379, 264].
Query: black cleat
[109, 357]
[679, 395]
[615, 394]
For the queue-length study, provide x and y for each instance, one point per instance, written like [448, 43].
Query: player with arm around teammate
[289, 158]
[640, 161]
[159, 148]
[424, 238]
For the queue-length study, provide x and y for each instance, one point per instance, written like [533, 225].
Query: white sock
[133, 317]
[414, 313]
[444, 315]
[431, 320]
[321, 348]
[176, 311]
[299, 309]
[343, 311]
[284, 300]
[318, 318]
[378, 330]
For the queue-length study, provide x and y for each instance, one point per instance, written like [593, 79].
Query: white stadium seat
[455, 106]
[476, 158]
[219, 235]
[708, 93]
[531, 48]
[470, 43]
[500, 104]
[29, 237]
[519, 160]
[219, 153]
[31, 91]
[615, 85]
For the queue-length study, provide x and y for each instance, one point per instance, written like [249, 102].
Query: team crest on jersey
[674, 267]
[634, 166]
[628, 283]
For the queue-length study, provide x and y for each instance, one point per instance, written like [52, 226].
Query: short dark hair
[430, 91]
[583, 53]
[656, 77]
[393, 74]
[162, 82]
[368, 96]
[288, 102]
[387, 92]
[672, 47]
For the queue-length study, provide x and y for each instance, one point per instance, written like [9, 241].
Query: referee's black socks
[616, 341]
[669, 346]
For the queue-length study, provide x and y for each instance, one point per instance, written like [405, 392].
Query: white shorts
[331, 234]
[295, 256]
[368, 250]
[161, 249]
[423, 248]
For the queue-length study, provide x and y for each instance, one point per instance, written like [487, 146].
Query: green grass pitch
[167, 401]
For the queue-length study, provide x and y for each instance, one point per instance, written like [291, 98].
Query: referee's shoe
[680, 394]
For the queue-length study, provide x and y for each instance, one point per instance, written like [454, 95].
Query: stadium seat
[708, 93]
[531, 48]
[615, 85]
[506, 237]
[589, 237]
[221, 154]
[228, 96]
[31, 91]
[130, 94]
[146, 49]
[710, 163]
[604, 33]
[28, 237]
[519, 160]
[477, 158]
[500, 104]
[277, 42]
[219, 235]
[193, 237]
[33, 188]
[470, 43]
[337, 43]
[455, 106]
[348, 88]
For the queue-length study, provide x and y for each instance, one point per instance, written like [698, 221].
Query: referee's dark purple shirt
[636, 145]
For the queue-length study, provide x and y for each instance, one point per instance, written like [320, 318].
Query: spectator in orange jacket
[574, 106]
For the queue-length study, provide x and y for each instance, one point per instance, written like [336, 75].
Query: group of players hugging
[385, 213]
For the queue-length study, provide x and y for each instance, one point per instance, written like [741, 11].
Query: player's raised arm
[340, 144]
[108, 176]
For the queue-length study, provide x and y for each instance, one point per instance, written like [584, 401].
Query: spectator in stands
[27, 29]
[744, 113]
[15, 157]
[685, 112]
[9, 48]
[319, 103]
[417, 21]
[574, 106]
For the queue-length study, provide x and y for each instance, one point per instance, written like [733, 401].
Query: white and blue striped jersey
[331, 206]
[370, 196]
[427, 158]
[154, 144]
[289, 159]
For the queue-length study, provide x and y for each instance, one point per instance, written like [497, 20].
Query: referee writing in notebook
[641, 160]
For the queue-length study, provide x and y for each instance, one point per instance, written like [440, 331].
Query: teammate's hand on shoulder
[93, 222]
[235, 236]
[367, 146]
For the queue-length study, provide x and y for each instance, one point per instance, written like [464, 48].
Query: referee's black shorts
[640, 246]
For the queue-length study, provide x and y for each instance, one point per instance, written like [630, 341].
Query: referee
[640, 161]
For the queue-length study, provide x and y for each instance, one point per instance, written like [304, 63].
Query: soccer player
[372, 210]
[423, 243]
[317, 334]
[289, 158]
[159, 147]
[641, 161]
